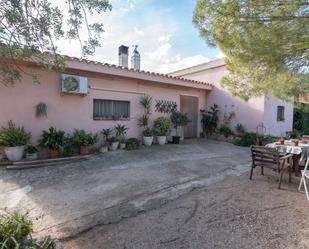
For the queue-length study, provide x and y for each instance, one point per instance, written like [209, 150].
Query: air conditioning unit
[74, 84]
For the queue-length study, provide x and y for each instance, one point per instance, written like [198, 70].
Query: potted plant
[54, 141]
[31, 153]
[121, 132]
[106, 137]
[113, 143]
[132, 144]
[178, 119]
[83, 140]
[281, 140]
[148, 137]
[162, 127]
[295, 142]
[14, 139]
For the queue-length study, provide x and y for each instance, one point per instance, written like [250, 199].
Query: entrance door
[189, 105]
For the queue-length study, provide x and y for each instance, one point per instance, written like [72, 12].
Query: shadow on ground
[69, 199]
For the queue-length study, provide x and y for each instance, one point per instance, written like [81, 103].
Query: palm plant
[107, 134]
[121, 131]
[146, 102]
[143, 120]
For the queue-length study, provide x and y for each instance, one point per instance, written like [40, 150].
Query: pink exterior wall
[273, 126]
[72, 111]
[251, 113]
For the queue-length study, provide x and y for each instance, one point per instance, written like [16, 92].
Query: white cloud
[164, 39]
[155, 38]
[138, 31]
[160, 53]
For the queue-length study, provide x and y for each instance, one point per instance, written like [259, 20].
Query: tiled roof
[136, 70]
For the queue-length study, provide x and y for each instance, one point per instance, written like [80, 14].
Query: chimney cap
[123, 50]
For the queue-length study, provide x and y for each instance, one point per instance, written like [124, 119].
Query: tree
[266, 44]
[29, 28]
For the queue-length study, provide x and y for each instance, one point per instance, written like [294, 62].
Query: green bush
[53, 139]
[162, 126]
[240, 129]
[15, 232]
[179, 119]
[132, 144]
[14, 136]
[251, 138]
[210, 119]
[148, 132]
[301, 120]
[82, 138]
[248, 139]
[225, 130]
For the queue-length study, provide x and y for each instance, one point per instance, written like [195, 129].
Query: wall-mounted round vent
[71, 84]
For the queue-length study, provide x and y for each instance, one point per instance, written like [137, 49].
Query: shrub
[14, 136]
[248, 139]
[82, 138]
[210, 119]
[148, 133]
[16, 230]
[179, 119]
[162, 126]
[301, 120]
[225, 130]
[240, 129]
[53, 139]
[132, 144]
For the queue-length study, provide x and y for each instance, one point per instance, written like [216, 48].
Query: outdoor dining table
[300, 152]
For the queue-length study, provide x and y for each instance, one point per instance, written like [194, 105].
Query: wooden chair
[270, 158]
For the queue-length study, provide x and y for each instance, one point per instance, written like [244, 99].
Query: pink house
[272, 116]
[112, 96]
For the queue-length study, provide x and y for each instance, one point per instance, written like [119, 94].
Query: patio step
[45, 162]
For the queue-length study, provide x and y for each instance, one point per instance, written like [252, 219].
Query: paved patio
[69, 199]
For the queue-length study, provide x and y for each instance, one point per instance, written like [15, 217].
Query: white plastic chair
[304, 176]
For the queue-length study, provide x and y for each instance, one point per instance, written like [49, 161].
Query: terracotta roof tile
[135, 70]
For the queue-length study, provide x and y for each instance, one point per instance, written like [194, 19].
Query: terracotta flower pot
[54, 153]
[84, 150]
[281, 142]
[295, 143]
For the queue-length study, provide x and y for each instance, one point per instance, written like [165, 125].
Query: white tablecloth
[287, 148]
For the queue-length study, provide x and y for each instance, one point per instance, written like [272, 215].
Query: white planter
[114, 146]
[161, 140]
[32, 156]
[148, 141]
[14, 153]
[122, 146]
[103, 149]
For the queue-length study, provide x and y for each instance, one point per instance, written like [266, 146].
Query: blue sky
[163, 30]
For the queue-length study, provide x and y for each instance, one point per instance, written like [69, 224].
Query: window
[110, 109]
[280, 113]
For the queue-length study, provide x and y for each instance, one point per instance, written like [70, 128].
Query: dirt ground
[235, 213]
